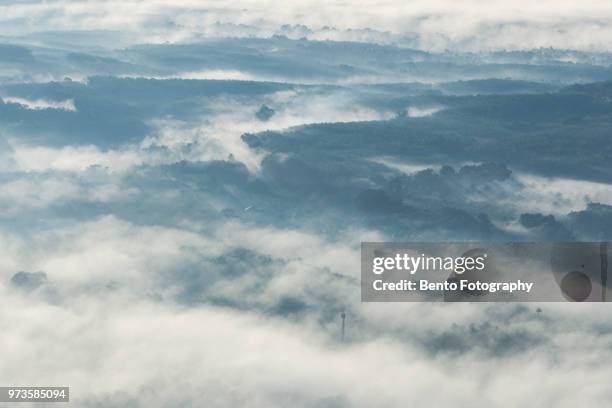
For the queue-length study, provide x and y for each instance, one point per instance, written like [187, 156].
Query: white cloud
[429, 24]
[32, 193]
[558, 196]
[220, 134]
[38, 104]
[110, 251]
[422, 111]
[219, 74]
[403, 166]
[308, 249]
[148, 348]
[161, 354]
[216, 137]
[73, 158]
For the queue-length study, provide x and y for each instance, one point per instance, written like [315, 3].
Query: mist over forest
[182, 199]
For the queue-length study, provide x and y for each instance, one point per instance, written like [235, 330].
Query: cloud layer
[177, 230]
[433, 25]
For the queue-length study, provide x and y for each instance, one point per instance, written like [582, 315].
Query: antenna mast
[603, 252]
[343, 316]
